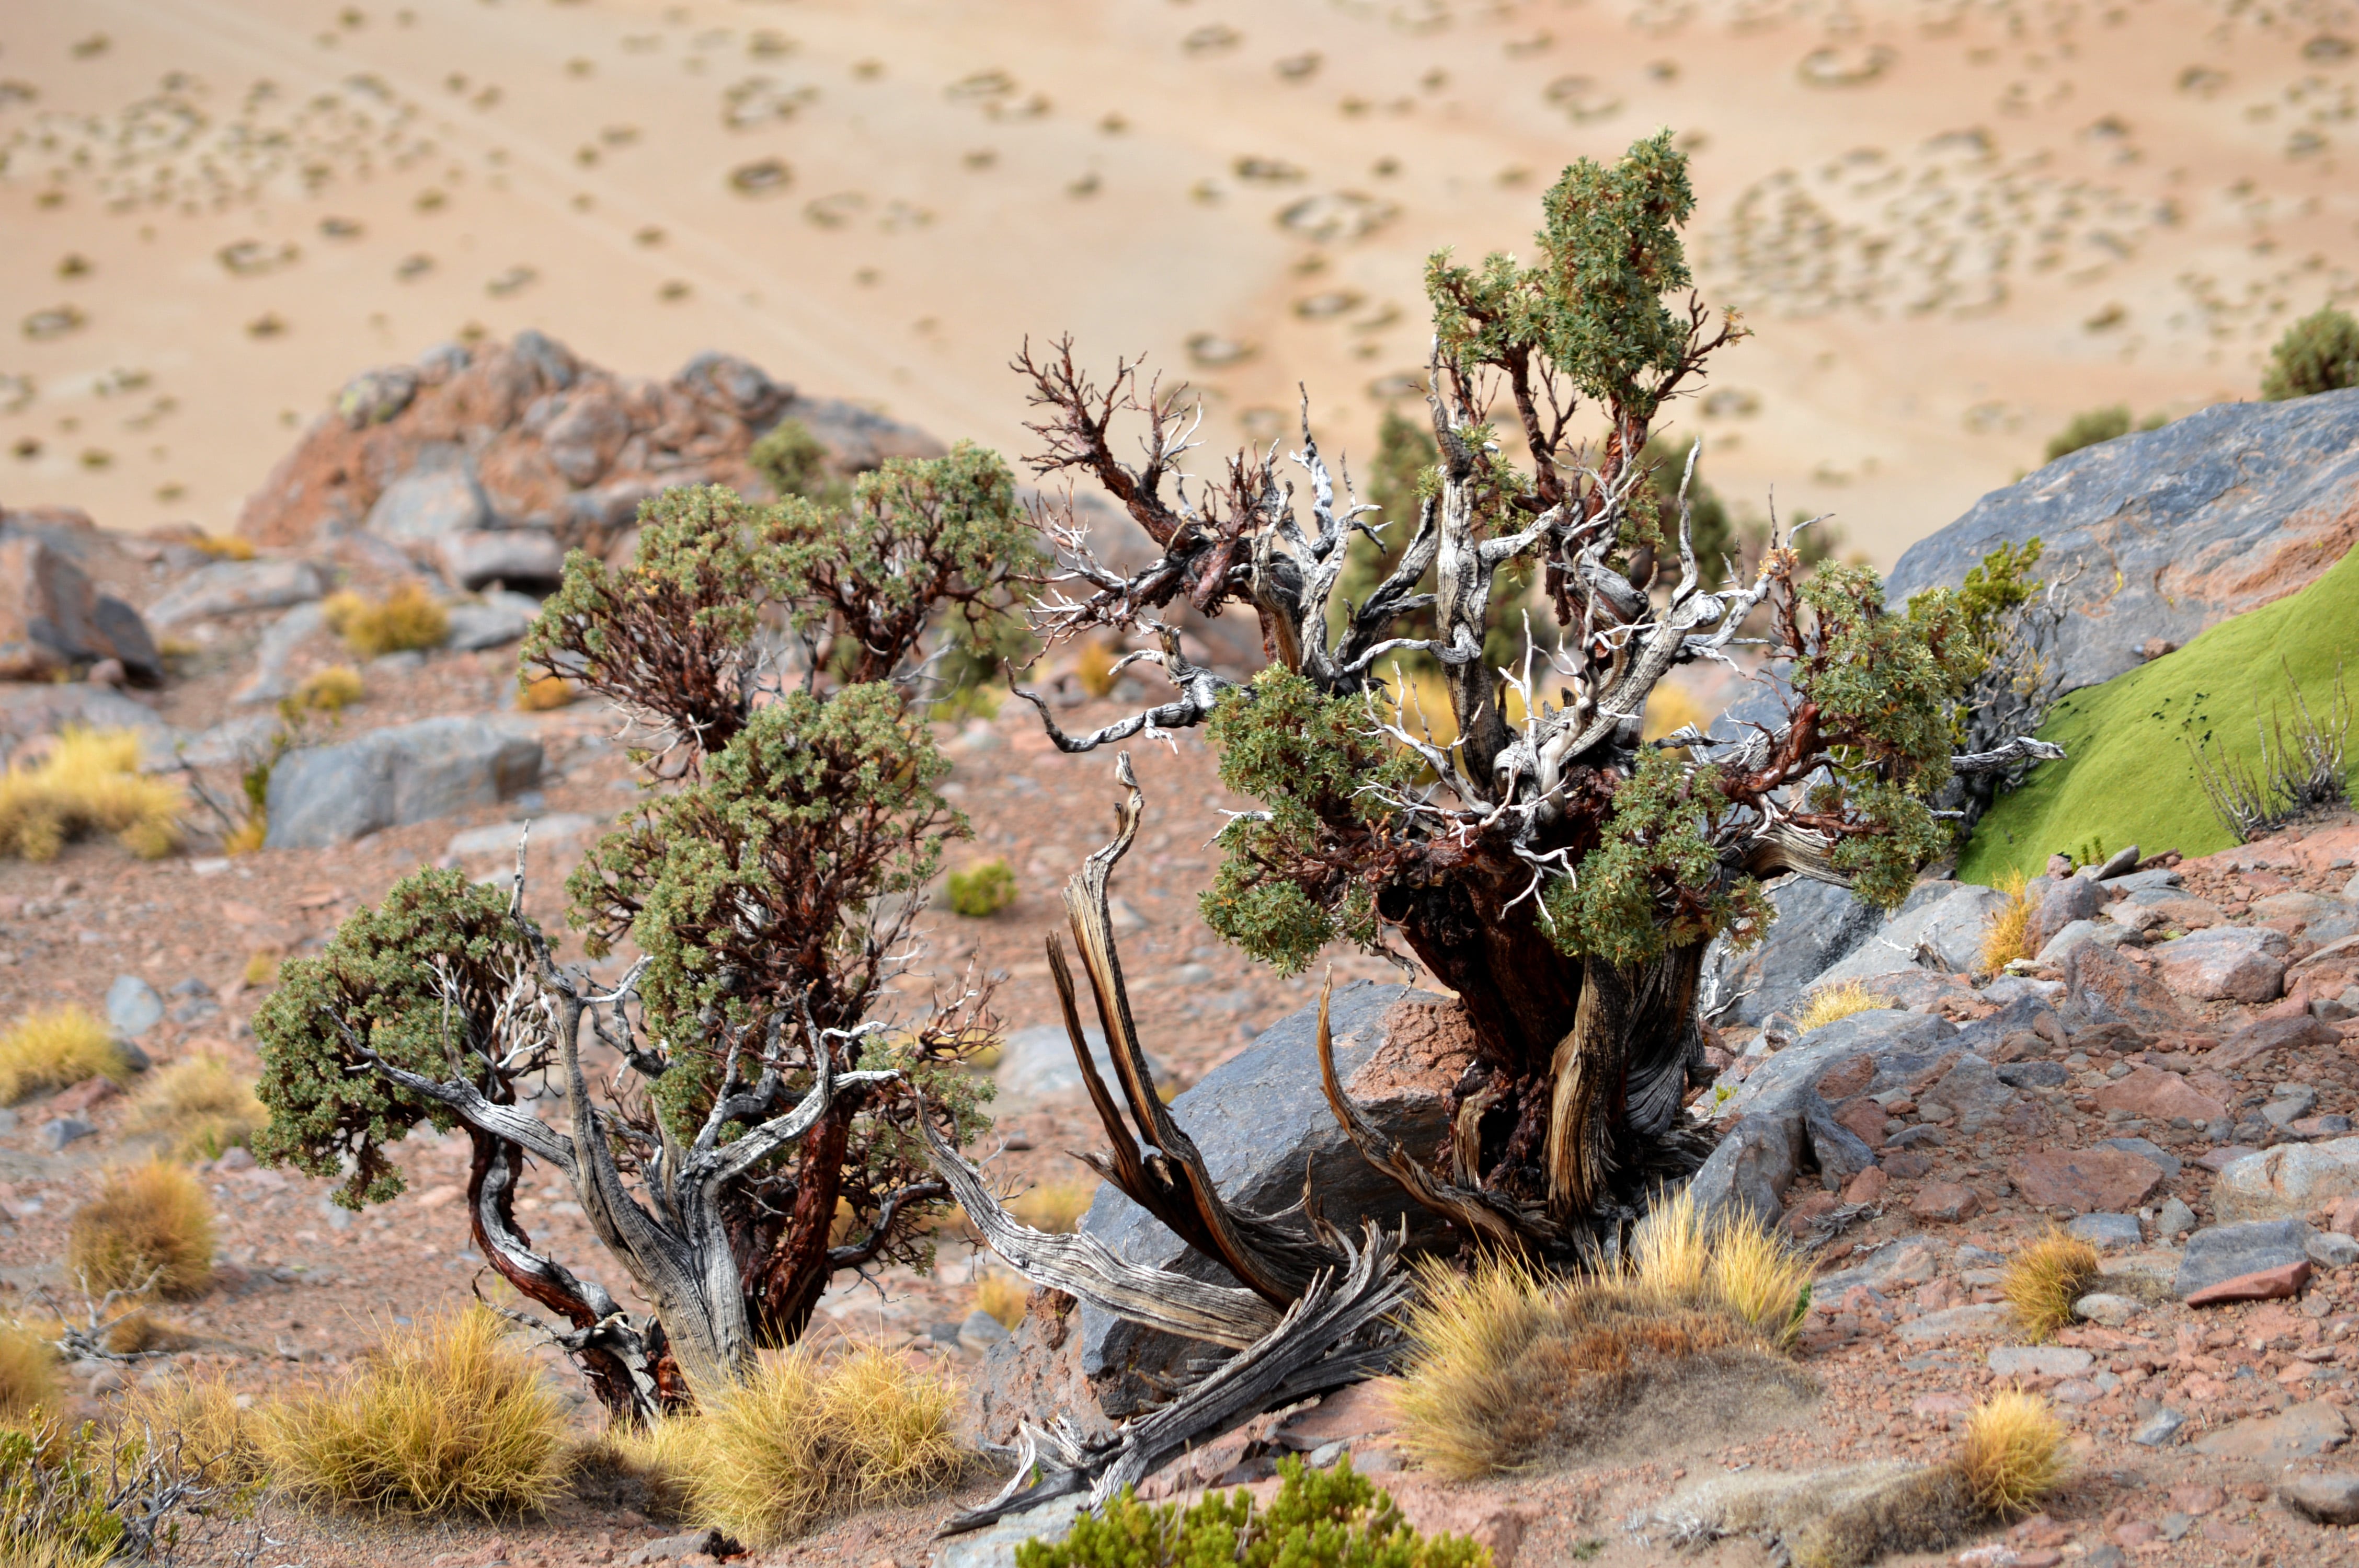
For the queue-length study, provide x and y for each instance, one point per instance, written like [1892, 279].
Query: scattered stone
[425, 507]
[1947, 1201]
[478, 557]
[2158, 1095]
[1957, 1323]
[2107, 1231]
[2159, 1429]
[2146, 1149]
[2290, 1180]
[52, 618]
[2329, 1499]
[1038, 1061]
[2076, 935]
[2088, 1180]
[2042, 1075]
[2227, 963]
[2101, 986]
[2282, 1282]
[2040, 1361]
[979, 1332]
[2075, 898]
[2332, 1250]
[2303, 1432]
[232, 588]
[995, 1545]
[501, 838]
[2224, 1252]
[1891, 1267]
[133, 1008]
[56, 1133]
[2173, 1218]
[2106, 1308]
[270, 680]
[323, 795]
[1950, 923]
[492, 619]
[1976, 1094]
[2256, 1040]
[672, 1547]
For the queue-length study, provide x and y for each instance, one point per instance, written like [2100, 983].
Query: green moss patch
[2129, 778]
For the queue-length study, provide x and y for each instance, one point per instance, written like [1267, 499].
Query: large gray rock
[412, 772]
[1947, 921]
[271, 680]
[490, 620]
[30, 711]
[53, 618]
[2286, 1181]
[2171, 531]
[133, 1008]
[2227, 1251]
[1817, 925]
[426, 504]
[477, 557]
[1039, 1061]
[231, 587]
[1263, 1126]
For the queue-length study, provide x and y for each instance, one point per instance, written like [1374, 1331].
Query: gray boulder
[1944, 921]
[232, 588]
[133, 1008]
[412, 772]
[2171, 531]
[1264, 1127]
[1039, 1061]
[2061, 904]
[1817, 926]
[2227, 1251]
[490, 620]
[476, 557]
[52, 617]
[425, 504]
[30, 711]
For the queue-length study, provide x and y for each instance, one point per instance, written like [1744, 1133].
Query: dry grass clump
[55, 1048]
[88, 782]
[2045, 1279]
[805, 1437]
[1670, 708]
[1094, 669]
[1507, 1367]
[547, 693]
[447, 1417]
[1836, 1002]
[407, 618]
[1003, 1296]
[331, 690]
[214, 1430]
[2014, 1454]
[2013, 1457]
[150, 1226]
[196, 1109]
[28, 1374]
[1055, 1206]
[2003, 940]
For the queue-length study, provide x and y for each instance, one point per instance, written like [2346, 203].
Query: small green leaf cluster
[1290, 885]
[981, 892]
[794, 462]
[380, 974]
[1321, 1518]
[2097, 425]
[2318, 353]
[1656, 880]
[53, 1498]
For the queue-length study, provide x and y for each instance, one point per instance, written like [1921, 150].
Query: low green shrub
[980, 892]
[2318, 353]
[1321, 1518]
[2098, 424]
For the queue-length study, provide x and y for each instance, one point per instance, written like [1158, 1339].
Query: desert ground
[1950, 225]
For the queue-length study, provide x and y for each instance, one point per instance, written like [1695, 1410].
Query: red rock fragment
[2263, 1285]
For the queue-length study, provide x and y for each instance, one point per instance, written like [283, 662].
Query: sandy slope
[2022, 211]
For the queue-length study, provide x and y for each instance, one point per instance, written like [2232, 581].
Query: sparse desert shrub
[213, 1429]
[1055, 1206]
[1761, 1279]
[331, 690]
[2318, 353]
[1095, 667]
[1003, 1296]
[150, 1226]
[53, 1510]
[1320, 1518]
[28, 1374]
[2012, 1457]
[261, 968]
[1507, 1365]
[2003, 938]
[2045, 1279]
[2098, 425]
[982, 891]
[407, 618]
[804, 1437]
[1837, 1002]
[795, 462]
[53, 1048]
[449, 1417]
[196, 1109]
[88, 782]
[544, 693]
[2014, 1453]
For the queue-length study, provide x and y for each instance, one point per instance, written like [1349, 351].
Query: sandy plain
[1953, 224]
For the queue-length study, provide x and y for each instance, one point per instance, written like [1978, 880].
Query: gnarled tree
[761, 1127]
[1557, 873]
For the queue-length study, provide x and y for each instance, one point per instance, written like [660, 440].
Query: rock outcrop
[411, 773]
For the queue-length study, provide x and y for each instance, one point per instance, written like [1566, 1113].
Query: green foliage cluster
[1295, 882]
[795, 462]
[981, 892]
[1655, 882]
[53, 1498]
[1321, 1518]
[2097, 425]
[2318, 353]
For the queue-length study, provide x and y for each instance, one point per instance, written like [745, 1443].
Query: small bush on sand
[1507, 1367]
[1003, 1296]
[28, 1374]
[2003, 938]
[88, 782]
[53, 1485]
[805, 1437]
[2095, 428]
[214, 1430]
[331, 690]
[449, 1417]
[544, 695]
[2318, 353]
[52, 1049]
[2014, 1454]
[196, 1109]
[982, 890]
[1056, 1206]
[2045, 1279]
[2012, 1457]
[1837, 1002]
[407, 618]
[1320, 1518]
[150, 1227]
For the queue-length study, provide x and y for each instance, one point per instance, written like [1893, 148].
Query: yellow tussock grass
[261, 970]
[2045, 1279]
[2014, 1454]
[447, 1417]
[544, 694]
[331, 690]
[1094, 669]
[805, 1436]
[1671, 707]
[54, 1048]
[1838, 1002]
[407, 618]
[28, 1374]
[88, 782]
[1003, 1296]
[1055, 1206]
[150, 1226]
[1669, 1255]
[216, 1431]
[225, 547]
[2003, 938]
[196, 1109]
[247, 837]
